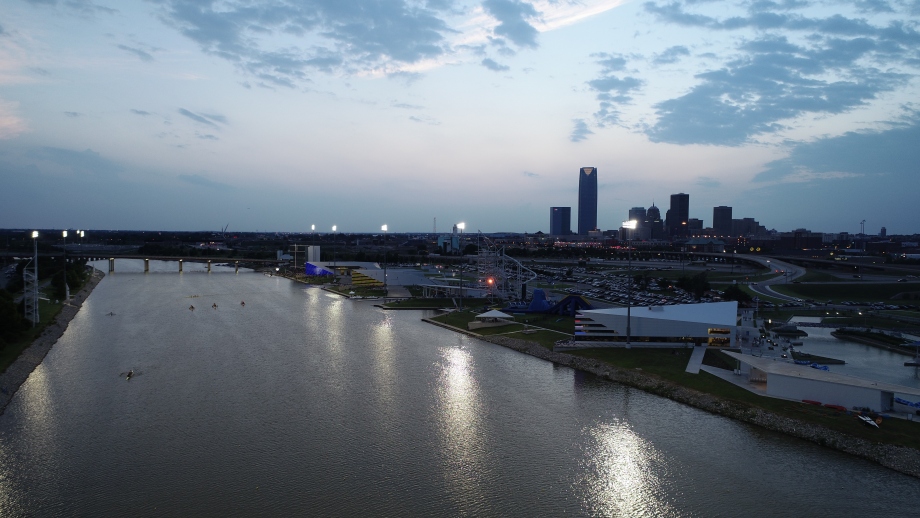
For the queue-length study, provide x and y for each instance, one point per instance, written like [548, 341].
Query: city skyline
[275, 115]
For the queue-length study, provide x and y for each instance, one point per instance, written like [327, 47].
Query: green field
[47, 311]
[857, 291]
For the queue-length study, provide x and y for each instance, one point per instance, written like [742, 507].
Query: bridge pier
[111, 264]
[209, 266]
[180, 265]
[146, 265]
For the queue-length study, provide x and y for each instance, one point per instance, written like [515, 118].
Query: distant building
[722, 221]
[883, 232]
[639, 215]
[654, 223]
[694, 225]
[560, 221]
[679, 215]
[587, 200]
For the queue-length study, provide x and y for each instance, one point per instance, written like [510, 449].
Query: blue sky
[275, 115]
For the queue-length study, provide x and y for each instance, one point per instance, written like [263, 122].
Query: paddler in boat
[130, 373]
[214, 305]
[243, 303]
[191, 308]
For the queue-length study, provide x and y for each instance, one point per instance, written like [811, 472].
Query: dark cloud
[140, 112]
[406, 106]
[425, 120]
[529, 174]
[671, 55]
[512, 16]
[613, 90]
[201, 181]
[493, 65]
[360, 34]
[580, 131]
[874, 6]
[772, 79]
[86, 7]
[144, 56]
[203, 118]
[84, 162]
[73, 115]
[207, 137]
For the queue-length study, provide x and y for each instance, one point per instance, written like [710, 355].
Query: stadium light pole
[35, 317]
[629, 225]
[461, 226]
[384, 229]
[66, 286]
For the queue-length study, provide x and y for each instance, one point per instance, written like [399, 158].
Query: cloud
[492, 65]
[207, 137]
[73, 115]
[335, 35]
[85, 7]
[11, 125]
[406, 106]
[425, 120]
[140, 112]
[707, 182]
[794, 65]
[84, 162]
[144, 56]
[580, 131]
[671, 55]
[206, 119]
[529, 174]
[512, 16]
[613, 89]
[201, 181]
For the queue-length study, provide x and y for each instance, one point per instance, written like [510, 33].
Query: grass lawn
[669, 364]
[813, 276]
[47, 311]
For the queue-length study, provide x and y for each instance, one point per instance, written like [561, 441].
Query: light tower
[461, 226]
[30, 285]
[384, 229]
[629, 225]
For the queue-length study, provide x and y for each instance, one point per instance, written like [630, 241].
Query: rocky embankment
[17, 373]
[899, 458]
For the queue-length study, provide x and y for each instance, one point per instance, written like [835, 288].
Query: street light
[384, 229]
[629, 225]
[35, 317]
[461, 226]
[312, 241]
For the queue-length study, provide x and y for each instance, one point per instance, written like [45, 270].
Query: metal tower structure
[508, 275]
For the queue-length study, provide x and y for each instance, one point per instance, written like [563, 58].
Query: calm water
[302, 403]
[863, 361]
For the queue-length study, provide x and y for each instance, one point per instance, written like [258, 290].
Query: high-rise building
[722, 221]
[679, 215]
[656, 226]
[638, 214]
[560, 221]
[587, 200]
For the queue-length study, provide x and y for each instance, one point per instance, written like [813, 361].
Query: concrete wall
[833, 393]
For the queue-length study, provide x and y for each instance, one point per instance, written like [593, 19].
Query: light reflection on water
[623, 473]
[303, 403]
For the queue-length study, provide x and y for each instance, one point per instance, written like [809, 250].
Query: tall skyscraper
[679, 215]
[653, 218]
[722, 221]
[587, 200]
[560, 221]
[638, 214]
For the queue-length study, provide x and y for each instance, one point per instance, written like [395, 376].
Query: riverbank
[874, 343]
[899, 458]
[18, 371]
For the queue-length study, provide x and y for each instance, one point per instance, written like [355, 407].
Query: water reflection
[622, 473]
[460, 426]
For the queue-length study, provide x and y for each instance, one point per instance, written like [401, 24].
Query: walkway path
[696, 360]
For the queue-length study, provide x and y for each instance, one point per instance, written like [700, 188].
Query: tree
[734, 292]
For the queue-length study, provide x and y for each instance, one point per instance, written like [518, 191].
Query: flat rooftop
[785, 368]
[721, 313]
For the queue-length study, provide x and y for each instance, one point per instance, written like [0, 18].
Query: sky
[278, 115]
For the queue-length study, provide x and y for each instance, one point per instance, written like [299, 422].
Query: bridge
[96, 256]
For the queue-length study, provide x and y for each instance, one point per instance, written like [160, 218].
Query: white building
[713, 324]
[782, 379]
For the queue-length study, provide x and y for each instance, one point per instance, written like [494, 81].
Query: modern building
[587, 200]
[722, 221]
[787, 380]
[560, 221]
[682, 325]
[679, 215]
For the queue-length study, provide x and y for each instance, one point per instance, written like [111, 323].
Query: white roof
[785, 368]
[494, 314]
[721, 313]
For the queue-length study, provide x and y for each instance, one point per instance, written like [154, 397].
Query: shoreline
[31, 357]
[898, 458]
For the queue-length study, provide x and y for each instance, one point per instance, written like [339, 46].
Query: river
[305, 403]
